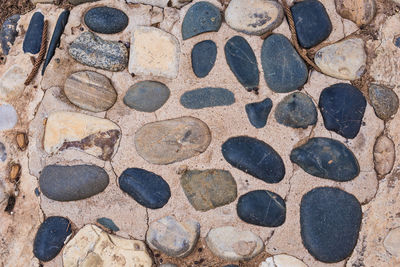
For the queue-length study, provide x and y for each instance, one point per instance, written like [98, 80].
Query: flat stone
[93, 247]
[342, 107]
[33, 36]
[242, 62]
[91, 50]
[90, 91]
[108, 223]
[258, 112]
[254, 17]
[326, 158]
[154, 52]
[296, 110]
[345, 60]
[95, 136]
[159, 3]
[254, 157]
[312, 22]
[204, 55]
[8, 33]
[209, 189]
[12, 83]
[176, 239]
[207, 97]
[147, 96]
[384, 155]
[106, 20]
[147, 188]
[78, 2]
[262, 208]
[50, 237]
[361, 12]
[392, 242]
[282, 260]
[8, 117]
[284, 70]
[200, 18]
[232, 244]
[169, 141]
[384, 101]
[70, 183]
[3, 152]
[330, 221]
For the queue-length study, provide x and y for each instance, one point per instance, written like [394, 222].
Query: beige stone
[384, 155]
[282, 260]
[12, 83]
[392, 242]
[360, 12]
[159, 3]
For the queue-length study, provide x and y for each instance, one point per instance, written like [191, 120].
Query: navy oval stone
[262, 208]
[330, 222]
[326, 158]
[284, 70]
[258, 112]
[106, 20]
[342, 106]
[8, 33]
[207, 97]
[33, 36]
[255, 158]
[201, 17]
[50, 237]
[147, 188]
[311, 21]
[242, 62]
[204, 55]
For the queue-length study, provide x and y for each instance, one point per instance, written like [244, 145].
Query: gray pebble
[384, 101]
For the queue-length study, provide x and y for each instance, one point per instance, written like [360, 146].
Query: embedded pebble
[108, 223]
[3, 152]
[147, 96]
[361, 12]
[254, 157]
[258, 112]
[207, 97]
[384, 101]
[333, 238]
[12, 83]
[282, 260]
[169, 141]
[176, 239]
[158, 3]
[106, 20]
[3, 196]
[204, 55]
[262, 208]
[396, 41]
[147, 188]
[384, 155]
[392, 242]
[8, 117]
[8, 33]
[78, 2]
[33, 36]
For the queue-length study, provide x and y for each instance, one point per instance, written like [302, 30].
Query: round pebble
[204, 55]
[106, 20]
[8, 117]
[147, 96]
[384, 101]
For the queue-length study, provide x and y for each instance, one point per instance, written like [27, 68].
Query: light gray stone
[8, 117]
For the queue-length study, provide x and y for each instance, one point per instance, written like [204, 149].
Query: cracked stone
[282, 260]
[384, 101]
[384, 155]
[106, 20]
[207, 97]
[361, 12]
[12, 83]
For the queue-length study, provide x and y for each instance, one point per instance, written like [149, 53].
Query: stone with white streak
[12, 83]
[282, 260]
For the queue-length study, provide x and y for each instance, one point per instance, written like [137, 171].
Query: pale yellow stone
[12, 83]
[282, 260]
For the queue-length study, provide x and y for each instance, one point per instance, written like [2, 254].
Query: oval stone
[207, 97]
[330, 222]
[50, 237]
[258, 112]
[8, 117]
[204, 55]
[326, 158]
[360, 12]
[284, 70]
[106, 20]
[262, 208]
[169, 141]
[384, 155]
[147, 188]
[90, 91]
[384, 101]
[8, 33]
[33, 36]
[255, 158]
[70, 183]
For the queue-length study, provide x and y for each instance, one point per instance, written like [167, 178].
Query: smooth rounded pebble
[282, 260]
[78, 2]
[8, 117]
[392, 242]
[361, 12]
[203, 58]
[33, 36]
[384, 101]
[108, 223]
[258, 112]
[106, 20]
[384, 155]
[12, 83]
[207, 97]
[8, 33]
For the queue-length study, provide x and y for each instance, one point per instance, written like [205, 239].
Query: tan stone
[392, 242]
[361, 12]
[12, 83]
[384, 155]
[282, 260]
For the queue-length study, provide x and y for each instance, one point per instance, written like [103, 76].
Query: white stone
[159, 3]
[12, 83]
[282, 260]
[8, 117]
[392, 242]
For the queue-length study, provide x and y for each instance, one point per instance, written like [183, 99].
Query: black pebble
[258, 112]
[204, 55]
[106, 20]
[33, 36]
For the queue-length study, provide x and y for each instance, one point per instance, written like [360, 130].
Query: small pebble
[3, 152]
[384, 155]
[147, 96]
[106, 20]
[37, 192]
[204, 55]
[207, 97]
[361, 12]
[258, 112]
[8, 33]
[108, 223]
[78, 2]
[282, 260]
[33, 36]
[384, 101]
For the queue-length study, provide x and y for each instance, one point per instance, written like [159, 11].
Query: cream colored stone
[12, 83]
[392, 242]
[384, 155]
[282, 260]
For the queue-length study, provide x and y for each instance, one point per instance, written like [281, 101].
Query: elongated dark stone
[207, 97]
[8, 33]
[33, 36]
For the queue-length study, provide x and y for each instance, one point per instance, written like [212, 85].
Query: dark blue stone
[201, 17]
[147, 188]
[231, 265]
[37, 192]
[106, 20]
[50, 237]
[262, 208]
[108, 223]
[258, 112]
[326, 158]
[330, 222]
[204, 55]
[242, 62]
[284, 70]
[55, 39]
[33, 36]
[311, 21]
[255, 158]
[207, 97]
[397, 42]
[342, 106]
[8, 33]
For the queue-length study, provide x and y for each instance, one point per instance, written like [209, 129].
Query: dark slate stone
[70, 183]
[55, 39]
[326, 158]
[311, 21]
[3, 152]
[147, 188]
[78, 2]
[255, 158]
[50, 237]
[284, 70]
[207, 97]
[330, 222]
[262, 208]
[8, 33]
[242, 62]
[106, 20]
[37, 192]
[231, 265]
[33, 36]
[397, 42]
[342, 106]
[204, 55]
[296, 110]
[201, 17]
[108, 223]
[258, 112]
